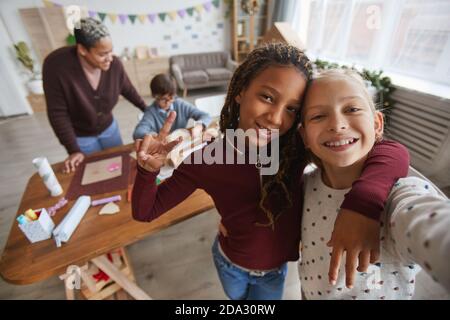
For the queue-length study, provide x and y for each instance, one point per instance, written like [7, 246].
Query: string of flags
[148, 17]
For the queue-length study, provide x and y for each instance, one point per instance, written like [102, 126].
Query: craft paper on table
[102, 170]
[165, 172]
[112, 186]
[64, 230]
[133, 155]
[109, 208]
[188, 145]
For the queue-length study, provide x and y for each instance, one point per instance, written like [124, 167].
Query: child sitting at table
[163, 89]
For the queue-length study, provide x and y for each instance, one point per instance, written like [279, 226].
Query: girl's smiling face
[339, 125]
[271, 101]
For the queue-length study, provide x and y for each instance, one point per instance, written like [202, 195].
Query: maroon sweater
[236, 191]
[74, 108]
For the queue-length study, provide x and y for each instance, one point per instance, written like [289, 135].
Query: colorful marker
[31, 214]
[106, 200]
[22, 219]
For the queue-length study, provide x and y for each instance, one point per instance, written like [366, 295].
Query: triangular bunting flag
[216, 3]
[102, 16]
[122, 18]
[182, 13]
[48, 4]
[190, 11]
[207, 6]
[132, 18]
[112, 17]
[199, 8]
[151, 17]
[142, 18]
[162, 16]
[172, 15]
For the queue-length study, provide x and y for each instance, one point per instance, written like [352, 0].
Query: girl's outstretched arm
[419, 226]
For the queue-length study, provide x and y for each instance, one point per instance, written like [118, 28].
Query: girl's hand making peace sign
[152, 150]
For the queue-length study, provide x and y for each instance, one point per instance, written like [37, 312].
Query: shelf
[252, 27]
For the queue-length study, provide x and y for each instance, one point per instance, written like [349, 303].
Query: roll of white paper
[64, 230]
[48, 176]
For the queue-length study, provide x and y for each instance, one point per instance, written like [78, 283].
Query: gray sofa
[201, 70]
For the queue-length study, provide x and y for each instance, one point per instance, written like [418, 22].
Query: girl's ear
[302, 132]
[379, 124]
[238, 98]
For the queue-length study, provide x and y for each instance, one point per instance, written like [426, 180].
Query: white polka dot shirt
[414, 231]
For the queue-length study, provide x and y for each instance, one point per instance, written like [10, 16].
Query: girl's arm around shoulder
[386, 163]
[362, 208]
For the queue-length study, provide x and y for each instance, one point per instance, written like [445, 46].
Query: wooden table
[23, 262]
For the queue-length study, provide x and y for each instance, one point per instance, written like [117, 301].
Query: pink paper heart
[113, 167]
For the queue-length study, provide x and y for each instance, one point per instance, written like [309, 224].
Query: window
[406, 37]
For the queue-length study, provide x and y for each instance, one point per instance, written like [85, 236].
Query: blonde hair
[350, 74]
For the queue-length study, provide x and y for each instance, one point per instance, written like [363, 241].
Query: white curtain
[408, 37]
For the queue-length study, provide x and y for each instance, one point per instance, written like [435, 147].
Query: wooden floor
[174, 264]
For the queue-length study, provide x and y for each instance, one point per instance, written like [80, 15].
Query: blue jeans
[239, 284]
[109, 138]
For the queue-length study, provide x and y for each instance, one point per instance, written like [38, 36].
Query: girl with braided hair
[262, 214]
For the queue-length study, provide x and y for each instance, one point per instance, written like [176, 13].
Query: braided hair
[277, 190]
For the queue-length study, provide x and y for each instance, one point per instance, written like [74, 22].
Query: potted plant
[23, 55]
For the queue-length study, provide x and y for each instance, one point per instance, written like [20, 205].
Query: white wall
[209, 31]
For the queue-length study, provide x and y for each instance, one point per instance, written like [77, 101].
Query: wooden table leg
[90, 283]
[70, 291]
[111, 270]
